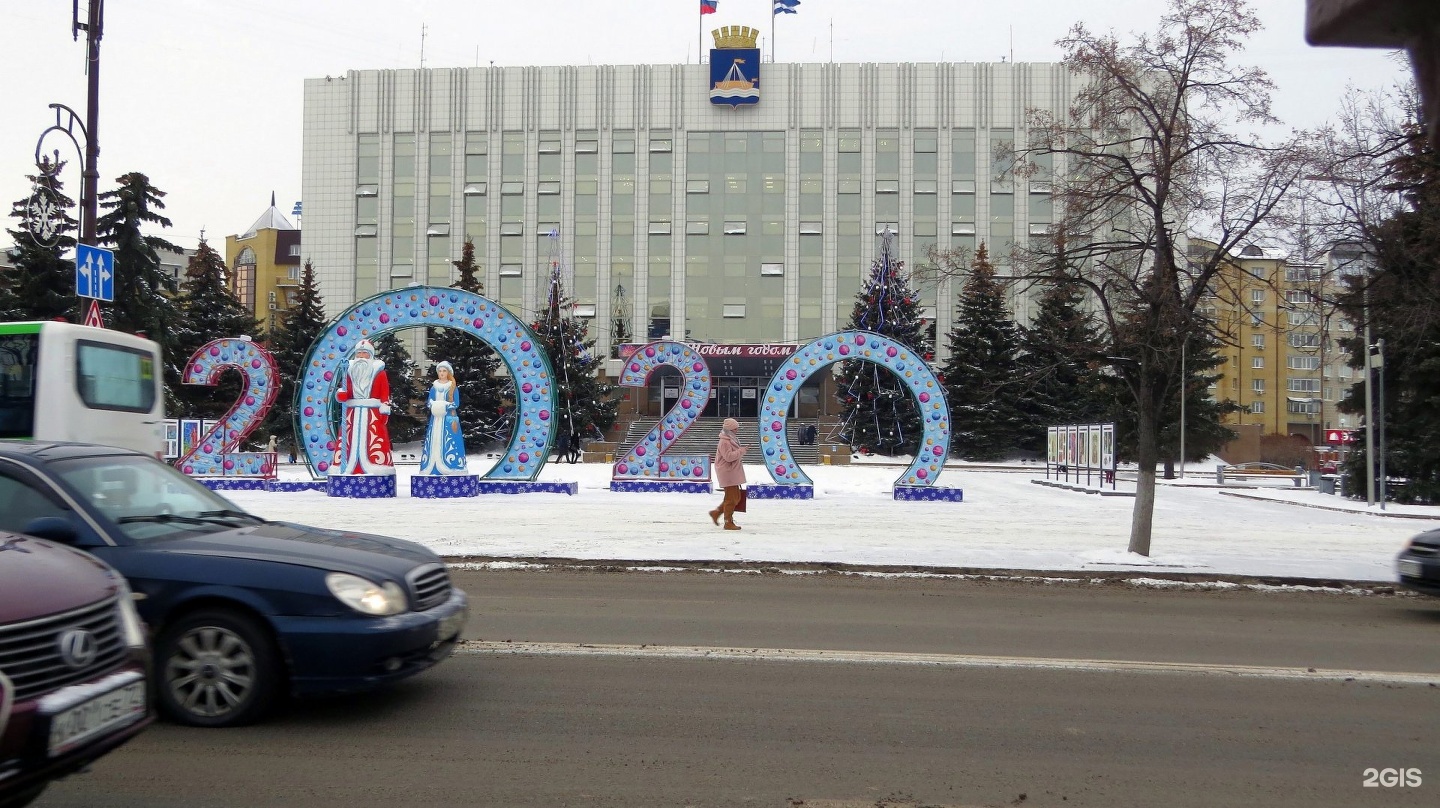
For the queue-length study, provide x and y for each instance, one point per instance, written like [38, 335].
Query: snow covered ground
[1005, 522]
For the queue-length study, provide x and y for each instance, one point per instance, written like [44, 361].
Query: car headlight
[365, 596]
[132, 628]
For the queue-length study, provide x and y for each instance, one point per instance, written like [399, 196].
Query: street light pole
[1369, 410]
[1380, 417]
[94, 27]
[1184, 388]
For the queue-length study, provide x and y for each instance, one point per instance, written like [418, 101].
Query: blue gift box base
[361, 486]
[527, 487]
[279, 487]
[233, 483]
[436, 486]
[928, 493]
[659, 486]
[765, 491]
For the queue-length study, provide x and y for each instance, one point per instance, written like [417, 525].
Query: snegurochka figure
[444, 451]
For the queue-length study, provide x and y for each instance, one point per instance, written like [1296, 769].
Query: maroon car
[72, 664]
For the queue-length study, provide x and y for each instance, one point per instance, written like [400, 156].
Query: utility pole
[1369, 407]
[94, 28]
[1184, 388]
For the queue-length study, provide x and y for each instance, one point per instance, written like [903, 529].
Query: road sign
[94, 272]
[1339, 436]
[92, 317]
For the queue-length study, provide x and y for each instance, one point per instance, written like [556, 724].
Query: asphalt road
[593, 688]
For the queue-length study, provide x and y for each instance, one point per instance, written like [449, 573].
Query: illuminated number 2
[647, 459]
[214, 454]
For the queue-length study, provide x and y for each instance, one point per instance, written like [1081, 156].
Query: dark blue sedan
[241, 610]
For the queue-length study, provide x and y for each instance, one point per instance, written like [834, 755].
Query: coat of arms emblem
[735, 66]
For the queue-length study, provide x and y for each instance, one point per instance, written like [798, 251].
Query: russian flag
[708, 6]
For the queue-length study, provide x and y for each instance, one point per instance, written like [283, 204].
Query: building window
[1304, 317]
[1304, 407]
[1304, 363]
[1257, 407]
[1257, 319]
[698, 227]
[660, 146]
[887, 186]
[1299, 297]
[772, 269]
[1304, 385]
[549, 188]
[659, 228]
[1257, 362]
[1304, 340]
[697, 186]
[733, 310]
[1257, 297]
[1258, 385]
[1257, 340]
[924, 186]
[810, 228]
[734, 228]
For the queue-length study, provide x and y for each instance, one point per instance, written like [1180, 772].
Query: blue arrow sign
[94, 272]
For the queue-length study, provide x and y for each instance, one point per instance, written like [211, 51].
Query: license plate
[96, 716]
[1410, 569]
[450, 626]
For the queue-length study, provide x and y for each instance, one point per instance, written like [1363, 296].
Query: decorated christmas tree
[485, 418]
[585, 405]
[878, 413]
[209, 311]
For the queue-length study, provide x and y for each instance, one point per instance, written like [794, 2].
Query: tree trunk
[1146, 452]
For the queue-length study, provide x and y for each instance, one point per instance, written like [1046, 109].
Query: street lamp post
[1184, 389]
[1380, 416]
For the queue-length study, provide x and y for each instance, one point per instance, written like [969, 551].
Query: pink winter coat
[728, 452]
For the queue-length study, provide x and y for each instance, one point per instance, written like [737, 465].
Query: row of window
[1294, 385]
[1294, 407]
[1292, 362]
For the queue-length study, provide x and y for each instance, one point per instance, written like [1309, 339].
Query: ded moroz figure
[365, 394]
[444, 451]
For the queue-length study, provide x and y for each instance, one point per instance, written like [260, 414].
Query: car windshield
[149, 500]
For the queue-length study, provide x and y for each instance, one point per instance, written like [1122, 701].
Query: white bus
[67, 382]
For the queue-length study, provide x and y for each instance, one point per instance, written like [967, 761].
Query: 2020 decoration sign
[647, 460]
[214, 454]
[865, 346]
[434, 307]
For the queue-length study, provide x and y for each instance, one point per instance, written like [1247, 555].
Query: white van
[65, 382]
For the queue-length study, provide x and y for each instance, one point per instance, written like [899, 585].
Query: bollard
[1220, 475]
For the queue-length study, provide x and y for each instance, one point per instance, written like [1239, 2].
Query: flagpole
[773, 15]
[700, 36]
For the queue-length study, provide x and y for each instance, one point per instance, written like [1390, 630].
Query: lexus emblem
[77, 647]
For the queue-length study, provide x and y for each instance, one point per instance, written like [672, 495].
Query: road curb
[1331, 507]
[1143, 577]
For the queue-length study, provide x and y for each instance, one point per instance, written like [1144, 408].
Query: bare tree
[1148, 154]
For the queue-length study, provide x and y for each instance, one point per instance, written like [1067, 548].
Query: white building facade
[723, 224]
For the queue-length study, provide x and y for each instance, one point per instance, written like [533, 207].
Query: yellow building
[1280, 331]
[265, 264]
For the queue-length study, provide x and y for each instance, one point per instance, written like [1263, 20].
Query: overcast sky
[205, 96]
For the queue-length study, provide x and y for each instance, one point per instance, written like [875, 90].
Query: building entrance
[734, 398]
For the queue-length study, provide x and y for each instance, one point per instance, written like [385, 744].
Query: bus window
[111, 377]
[17, 384]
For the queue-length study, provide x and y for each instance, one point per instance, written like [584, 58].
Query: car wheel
[216, 668]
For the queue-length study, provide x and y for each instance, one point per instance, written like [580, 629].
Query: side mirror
[54, 528]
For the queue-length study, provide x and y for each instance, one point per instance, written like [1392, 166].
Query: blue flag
[785, 6]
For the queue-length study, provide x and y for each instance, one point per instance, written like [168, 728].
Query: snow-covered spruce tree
[407, 421]
[298, 328]
[583, 403]
[1061, 364]
[42, 284]
[144, 295]
[485, 420]
[878, 413]
[982, 375]
[209, 311]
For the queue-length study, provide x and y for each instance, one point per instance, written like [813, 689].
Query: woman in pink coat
[729, 475]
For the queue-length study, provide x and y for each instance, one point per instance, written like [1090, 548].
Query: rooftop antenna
[422, 46]
[1012, 44]
[832, 40]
